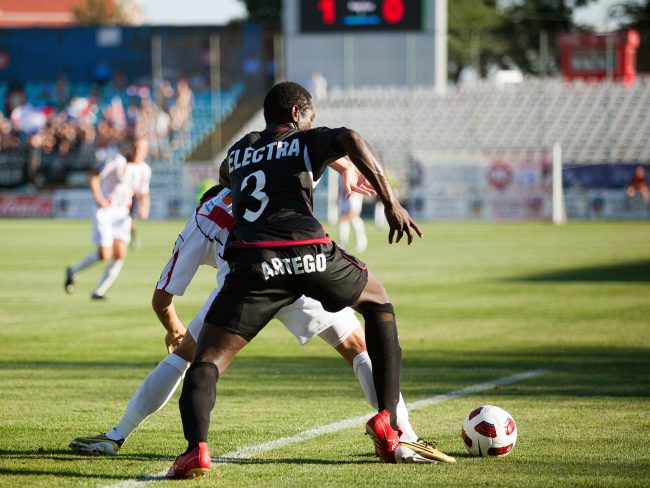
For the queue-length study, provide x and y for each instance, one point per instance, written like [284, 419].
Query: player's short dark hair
[211, 193]
[280, 100]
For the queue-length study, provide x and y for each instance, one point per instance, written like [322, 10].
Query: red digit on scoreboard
[393, 11]
[328, 11]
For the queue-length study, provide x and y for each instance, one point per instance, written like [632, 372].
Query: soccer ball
[489, 431]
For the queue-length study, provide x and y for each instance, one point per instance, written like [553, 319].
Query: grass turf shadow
[628, 272]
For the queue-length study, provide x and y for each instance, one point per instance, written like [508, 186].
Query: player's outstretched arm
[144, 205]
[93, 183]
[366, 160]
[164, 307]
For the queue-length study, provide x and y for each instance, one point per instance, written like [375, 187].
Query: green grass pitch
[474, 302]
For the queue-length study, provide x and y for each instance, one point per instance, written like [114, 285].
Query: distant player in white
[350, 215]
[115, 185]
[201, 242]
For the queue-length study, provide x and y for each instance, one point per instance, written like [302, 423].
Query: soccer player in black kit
[278, 251]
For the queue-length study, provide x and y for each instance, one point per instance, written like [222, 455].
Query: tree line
[481, 33]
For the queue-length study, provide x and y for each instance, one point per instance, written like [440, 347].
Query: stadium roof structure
[32, 13]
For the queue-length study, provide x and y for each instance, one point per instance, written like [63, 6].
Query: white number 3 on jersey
[257, 194]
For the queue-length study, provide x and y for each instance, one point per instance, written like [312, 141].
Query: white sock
[380, 216]
[403, 422]
[152, 395]
[86, 261]
[360, 231]
[363, 369]
[110, 274]
[344, 233]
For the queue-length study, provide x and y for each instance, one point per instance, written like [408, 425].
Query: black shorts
[262, 281]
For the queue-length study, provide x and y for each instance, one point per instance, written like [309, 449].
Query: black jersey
[272, 175]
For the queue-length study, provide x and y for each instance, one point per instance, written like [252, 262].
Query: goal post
[559, 210]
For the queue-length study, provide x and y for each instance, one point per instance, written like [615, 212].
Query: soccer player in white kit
[115, 185]
[350, 215]
[201, 243]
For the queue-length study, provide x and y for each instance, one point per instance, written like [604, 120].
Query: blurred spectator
[102, 72]
[181, 114]
[60, 130]
[9, 138]
[155, 123]
[61, 92]
[118, 83]
[14, 98]
[638, 184]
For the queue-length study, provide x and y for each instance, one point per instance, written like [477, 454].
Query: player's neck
[285, 126]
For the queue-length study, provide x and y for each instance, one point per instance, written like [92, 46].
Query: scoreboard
[321, 16]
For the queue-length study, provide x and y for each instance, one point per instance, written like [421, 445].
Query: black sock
[385, 353]
[197, 401]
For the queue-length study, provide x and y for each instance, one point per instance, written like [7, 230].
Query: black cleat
[97, 445]
[68, 285]
[95, 296]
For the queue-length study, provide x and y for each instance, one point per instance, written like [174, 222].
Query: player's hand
[363, 186]
[353, 180]
[174, 338]
[400, 222]
[101, 203]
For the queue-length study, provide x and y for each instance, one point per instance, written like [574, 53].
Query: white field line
[252, 451]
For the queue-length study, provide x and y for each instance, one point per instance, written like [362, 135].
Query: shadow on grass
[622, 372]
[68, 455]
[29, 457]
[31, 471]
[363, 459]
[636, 271]
[573, 371]
[587, 372]
[81, 365]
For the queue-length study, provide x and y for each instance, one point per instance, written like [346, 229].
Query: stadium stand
[594, 122]
[53, 128]
[207, 114]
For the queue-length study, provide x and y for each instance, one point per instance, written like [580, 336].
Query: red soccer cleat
[386, 439]
[194, 464]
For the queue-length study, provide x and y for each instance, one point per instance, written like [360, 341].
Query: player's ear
[295, 114]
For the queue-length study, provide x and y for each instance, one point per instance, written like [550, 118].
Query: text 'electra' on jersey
[273, 150]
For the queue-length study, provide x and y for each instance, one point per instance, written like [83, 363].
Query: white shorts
[111, 224]
[351, 205]
[305, 318]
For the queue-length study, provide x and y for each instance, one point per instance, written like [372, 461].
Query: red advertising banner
[32, 206]
[584, 55]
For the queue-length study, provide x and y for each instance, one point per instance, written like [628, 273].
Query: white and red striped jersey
[120, 181]
[200, 242]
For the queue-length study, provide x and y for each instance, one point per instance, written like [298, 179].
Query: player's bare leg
[356, 222]
[135, 236]
[101, 254]
[114, 262]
